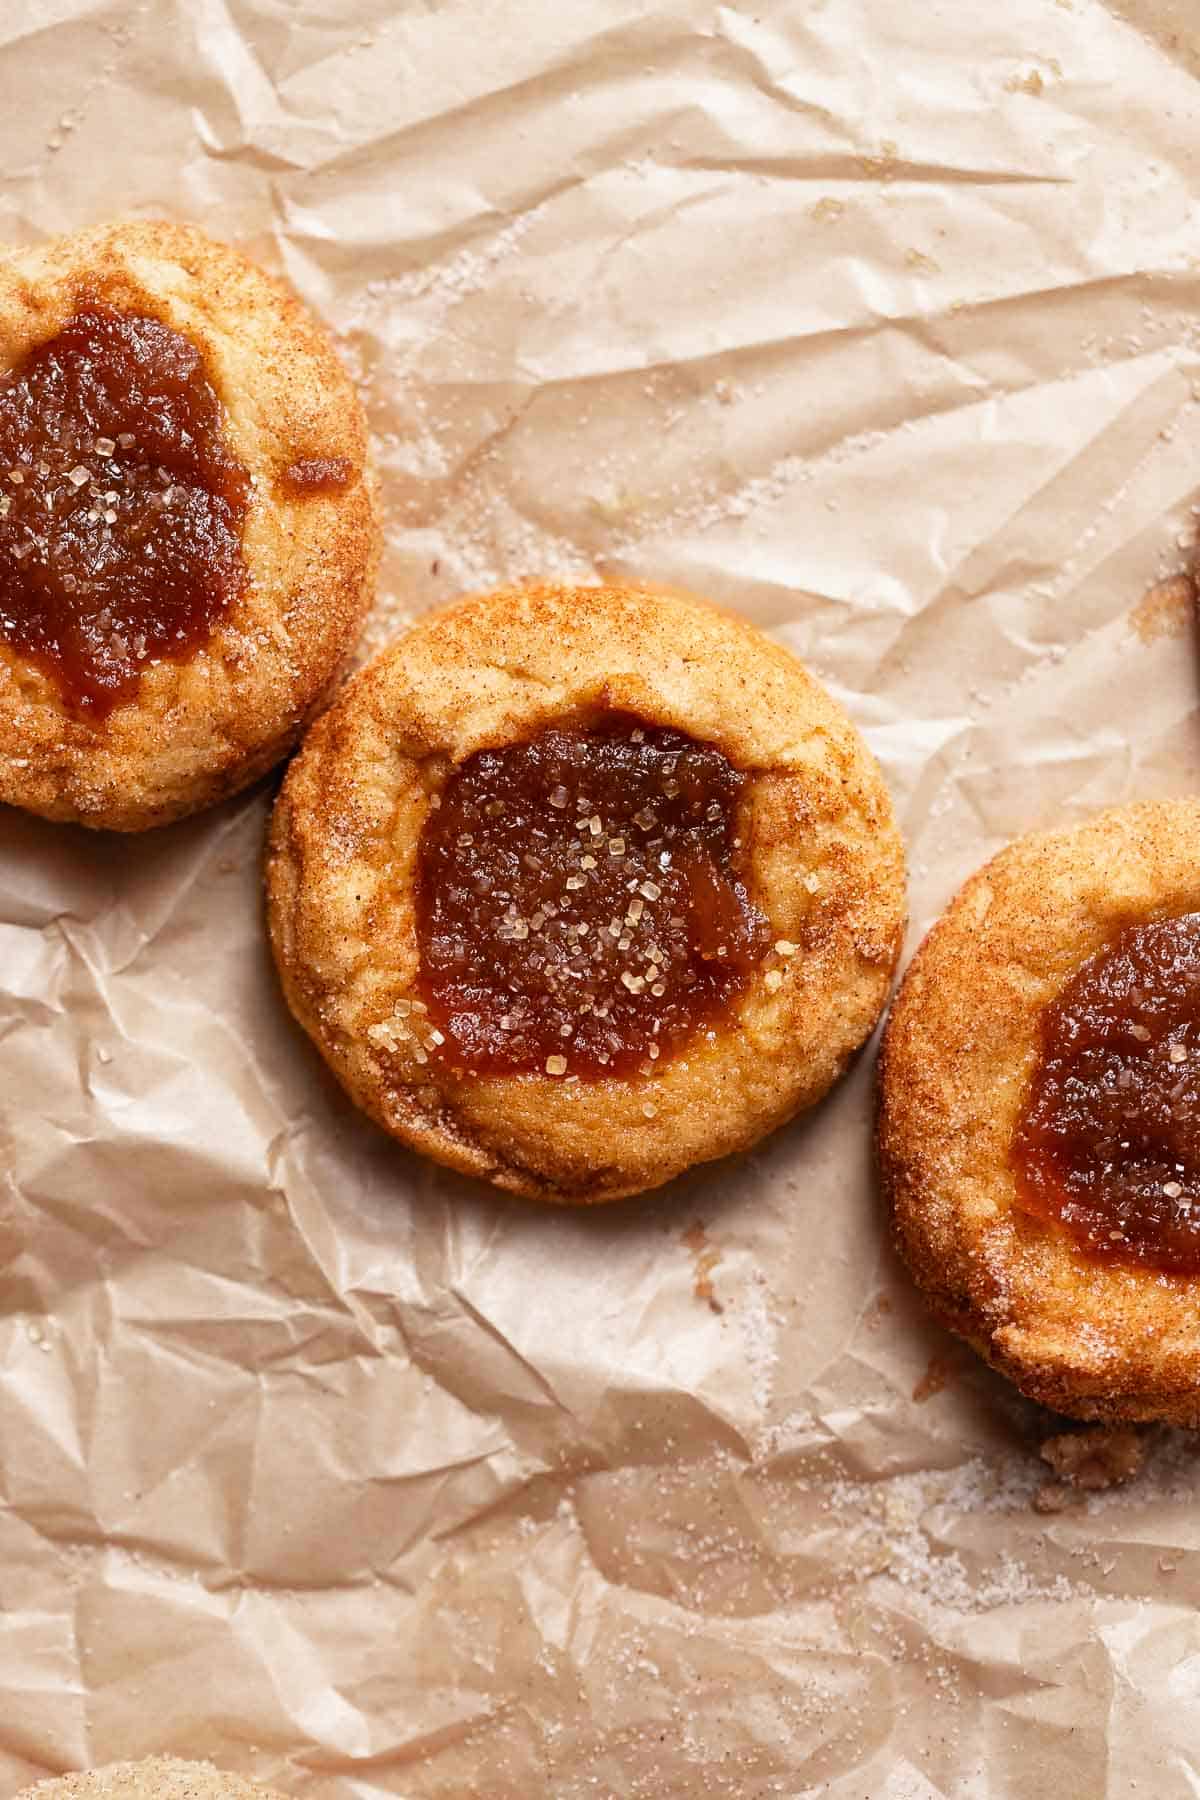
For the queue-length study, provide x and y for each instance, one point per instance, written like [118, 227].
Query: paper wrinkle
[326, 1464]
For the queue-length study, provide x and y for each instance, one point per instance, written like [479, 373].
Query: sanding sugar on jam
[121, 510]
[1109, 1142]
[581, 908]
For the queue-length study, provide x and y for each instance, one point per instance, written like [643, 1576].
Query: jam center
[1109, 1142]
[121, 510]
[579, 905]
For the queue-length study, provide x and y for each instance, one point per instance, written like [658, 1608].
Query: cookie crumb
[1096, 1457]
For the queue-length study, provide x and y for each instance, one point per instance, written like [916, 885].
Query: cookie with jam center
[1039, 1116]
[575, 888]
[187, 523]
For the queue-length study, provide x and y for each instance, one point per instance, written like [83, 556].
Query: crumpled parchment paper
[878, 321]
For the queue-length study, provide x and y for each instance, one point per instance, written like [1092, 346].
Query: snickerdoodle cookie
[577, 887]
[1039, 1121]
[187, 523]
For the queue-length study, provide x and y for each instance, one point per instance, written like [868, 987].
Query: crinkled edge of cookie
[825, 857]
[1092, 1340]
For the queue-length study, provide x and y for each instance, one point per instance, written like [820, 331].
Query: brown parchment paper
[877, 320]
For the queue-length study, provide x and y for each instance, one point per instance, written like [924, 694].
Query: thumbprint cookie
[1039, 1122]
[577, 887]
[187, 523]
[155, 1778]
